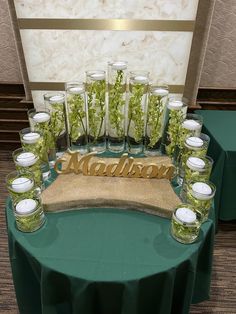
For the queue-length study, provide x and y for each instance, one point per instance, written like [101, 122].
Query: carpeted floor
[223, 288]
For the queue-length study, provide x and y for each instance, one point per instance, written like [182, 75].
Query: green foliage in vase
[31, 222]
[185, 233]
[38, 148]
[35, 169]
[174, 128]
[96, 107]
[201, 206]
[155, 118]
[135, 112]
[116, 104]
[44, 128]
[186, 153]
[194, 175]
[57, 121]
[77, 115]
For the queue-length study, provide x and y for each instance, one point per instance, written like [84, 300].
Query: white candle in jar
[21, 185]
[196, 163]
[76, 90]
[41, 117]
[97, 76]
[25, 206]
[192, 125]
[26, 159]
[185, 215]
[201, 191]
[194, 141]
[119, 65]
[175, 104]
[57, 99]
[160, 92]
[141, 79]
[30, 138]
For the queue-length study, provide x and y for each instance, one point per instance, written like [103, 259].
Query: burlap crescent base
[77, 191]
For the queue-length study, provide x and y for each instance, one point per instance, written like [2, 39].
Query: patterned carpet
[223, 288]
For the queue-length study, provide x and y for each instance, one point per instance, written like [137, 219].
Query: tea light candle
[186, 215]
[175, 104]
[31, 138]
[202, 191]
[97, 76]
[160, 92]
[26, 206]
[120, 65]
[196, 163]
[21, 185]
[56, 99]
[194, 141]
[192, 125]
[141, 79]
[26, 159]
[41, 117]
[76, 90]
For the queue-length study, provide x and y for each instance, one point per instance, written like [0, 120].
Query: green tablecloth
[221, 127]
[108, 261]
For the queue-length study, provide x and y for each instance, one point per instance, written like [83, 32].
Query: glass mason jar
[29, 215]
[33, 141]
[200, 195]
[96, 100]
[157, 101]
[137, 103]
[40, 121]
[176, 113]
[77, 116]
[55, 102]
[185, 224]
[21, 186]
[195, 147]
[27, 161]
[117, 75]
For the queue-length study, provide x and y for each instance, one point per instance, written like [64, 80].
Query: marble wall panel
[66, 55]
[131, 9]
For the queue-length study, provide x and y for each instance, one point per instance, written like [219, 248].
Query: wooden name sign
[125, 166]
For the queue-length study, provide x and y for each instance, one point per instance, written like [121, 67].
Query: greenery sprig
[135, 111]
[155, 118]
[116, 104]
[96, 107]
[174, 128]
[76, 116]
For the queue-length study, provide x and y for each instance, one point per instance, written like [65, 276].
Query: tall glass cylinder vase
[157, 101]
[96, 100]
[55, 102]
[40, 121]
[176, 113]
[117, 72]
[77, 116]
[138, 89]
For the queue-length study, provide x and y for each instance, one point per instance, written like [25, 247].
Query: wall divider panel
[63, 39]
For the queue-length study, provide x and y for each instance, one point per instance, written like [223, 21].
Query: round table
[108, 261]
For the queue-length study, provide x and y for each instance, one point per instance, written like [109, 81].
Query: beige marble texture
[131, 9]
[66, 55]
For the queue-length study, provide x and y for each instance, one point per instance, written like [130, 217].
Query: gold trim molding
[60, 86]
[107, 24]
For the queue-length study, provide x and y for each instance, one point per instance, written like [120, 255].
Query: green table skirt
[221, 127]
[108, 261]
